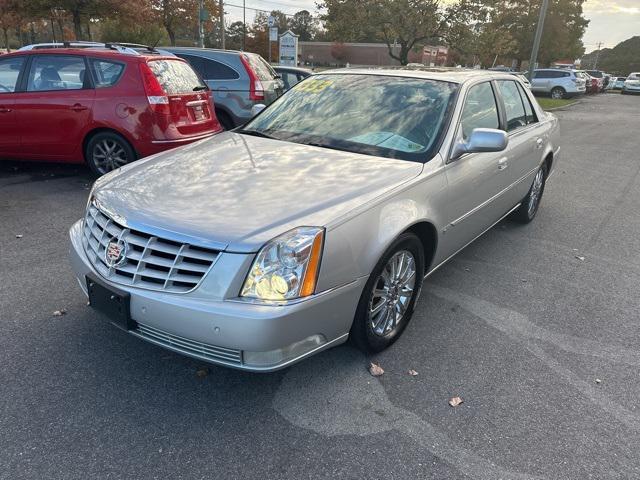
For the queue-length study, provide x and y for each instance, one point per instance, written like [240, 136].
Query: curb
[577, 102]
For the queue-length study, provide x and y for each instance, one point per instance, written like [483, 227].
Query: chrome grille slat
[186, 345]
[150, 262]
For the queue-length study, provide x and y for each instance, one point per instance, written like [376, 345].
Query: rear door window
[197, 63]
[175, 76]
[218, 71]
[106, 73]
[56, 72]
[9, 73]
[528, 108]
[514, 109]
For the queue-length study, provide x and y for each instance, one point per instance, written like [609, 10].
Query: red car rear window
[175, 76]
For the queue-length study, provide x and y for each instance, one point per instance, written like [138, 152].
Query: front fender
[353, 248]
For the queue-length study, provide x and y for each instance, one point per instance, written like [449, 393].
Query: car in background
[291, 75]
[618, 82]
[317, 221]
[631, 84]
[522, 77]
[557, 82]
[592, 84]
[600, 78]
[105, 105]
[238, 81]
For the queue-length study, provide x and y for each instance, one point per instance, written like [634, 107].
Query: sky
[612, 21]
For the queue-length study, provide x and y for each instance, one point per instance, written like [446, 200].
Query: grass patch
[547, 103]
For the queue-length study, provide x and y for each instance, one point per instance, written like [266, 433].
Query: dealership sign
[288, 49]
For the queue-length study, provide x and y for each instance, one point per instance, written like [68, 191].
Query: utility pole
[536, 41]
[595, 64]
[244, 25]
[201, 14]
[222, 32]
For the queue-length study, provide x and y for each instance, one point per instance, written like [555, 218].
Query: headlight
[286, 267]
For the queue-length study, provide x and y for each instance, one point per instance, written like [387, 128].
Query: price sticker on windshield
[313, 86]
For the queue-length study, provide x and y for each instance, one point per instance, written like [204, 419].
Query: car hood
[235, 192]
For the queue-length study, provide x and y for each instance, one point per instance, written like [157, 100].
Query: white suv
[559, 83]
[632, 83]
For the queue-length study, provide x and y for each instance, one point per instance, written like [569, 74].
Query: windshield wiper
[256, 133]
[199, 88]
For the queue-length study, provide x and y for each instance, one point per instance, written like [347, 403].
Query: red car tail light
[256, 89]
[156, 95]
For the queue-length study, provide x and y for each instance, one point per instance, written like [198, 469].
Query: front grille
[188, 347]
[148, 261]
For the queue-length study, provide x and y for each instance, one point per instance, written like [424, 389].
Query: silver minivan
[238, 81]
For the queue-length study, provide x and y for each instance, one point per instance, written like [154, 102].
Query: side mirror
[257, 108]
[481, 140]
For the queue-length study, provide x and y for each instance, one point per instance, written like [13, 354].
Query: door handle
[503, 163]
[78, 108]
[539, 142]
[5, 110]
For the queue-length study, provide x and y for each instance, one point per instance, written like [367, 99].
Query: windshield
[395, 117]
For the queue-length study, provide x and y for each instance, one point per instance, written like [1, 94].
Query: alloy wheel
[108, 155]
[392, 293]
[536, 192]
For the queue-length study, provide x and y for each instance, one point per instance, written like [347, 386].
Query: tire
[558, 92]
[528, 210]
[106, 151]
[225, 120]
[372, 333]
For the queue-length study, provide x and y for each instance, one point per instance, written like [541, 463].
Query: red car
[103, 104]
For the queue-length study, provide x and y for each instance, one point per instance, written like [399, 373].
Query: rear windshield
[261, 68]
[175, 76]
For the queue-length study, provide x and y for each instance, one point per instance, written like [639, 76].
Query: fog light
[280, 355]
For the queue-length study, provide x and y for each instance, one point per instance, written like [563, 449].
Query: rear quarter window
[262, 69]
[105, 72]
[175, 76]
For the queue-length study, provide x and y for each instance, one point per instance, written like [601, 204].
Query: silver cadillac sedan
[318, 220]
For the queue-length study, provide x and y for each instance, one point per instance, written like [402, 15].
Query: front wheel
[107, 151]
[527, 210]
[388, 298]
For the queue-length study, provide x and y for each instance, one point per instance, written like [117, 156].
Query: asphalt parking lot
[536, 328]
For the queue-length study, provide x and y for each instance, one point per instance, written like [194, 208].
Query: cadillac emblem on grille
[115, 253]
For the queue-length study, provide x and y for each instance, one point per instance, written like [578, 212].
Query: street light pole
[201, 23]
[244, 25]
[222, 32]
[536, 41]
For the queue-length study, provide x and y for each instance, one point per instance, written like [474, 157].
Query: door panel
[10, 69]
[56, 108]
[476, 180]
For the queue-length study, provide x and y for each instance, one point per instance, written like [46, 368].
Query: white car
[631, 84]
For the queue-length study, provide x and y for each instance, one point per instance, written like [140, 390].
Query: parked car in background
[105, 105]
[238, 81]
[317, 220]
[522, 77]
[291, 75]
[557, 82]
[631, 83]
[618, 82]
[592, 83]
[600, 78]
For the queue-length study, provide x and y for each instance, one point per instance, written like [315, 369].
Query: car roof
[453, 75]
[205, 50]
[93, 51]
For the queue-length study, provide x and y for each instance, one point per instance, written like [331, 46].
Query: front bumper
[209, 325]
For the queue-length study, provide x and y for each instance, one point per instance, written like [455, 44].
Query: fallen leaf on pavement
[412, 372]
[598, 381]
[202, 372]
[18, 236]
[455, 401]
[580, 257]
[375, 370]
[59, 313]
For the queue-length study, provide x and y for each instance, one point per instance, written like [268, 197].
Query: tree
[401, 24]
[8, 19]
[338, 51]
[621, 59]
[181, 15]
[304, 25]
[233, 36]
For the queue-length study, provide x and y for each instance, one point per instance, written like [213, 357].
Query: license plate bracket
[112, 302]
